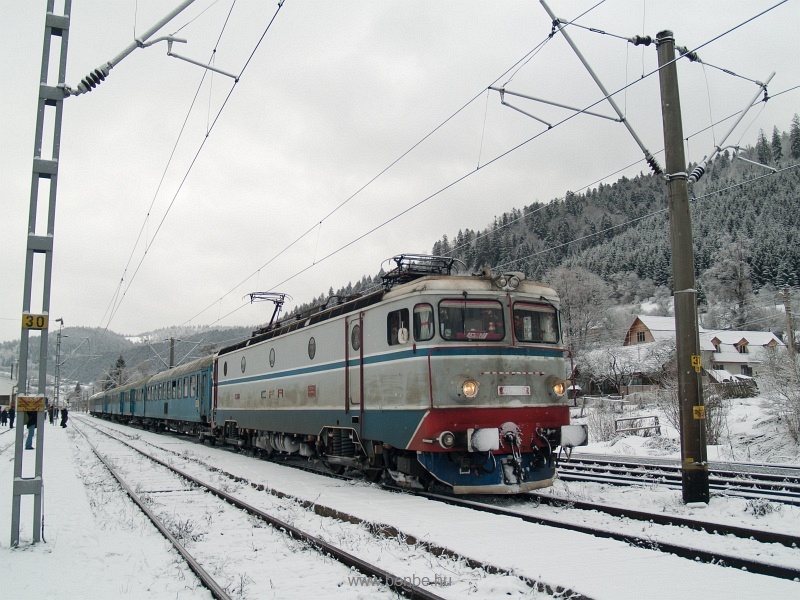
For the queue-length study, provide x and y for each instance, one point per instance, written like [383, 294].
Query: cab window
[474, 320]
[396, 321]
[535, 323]
[424, 326]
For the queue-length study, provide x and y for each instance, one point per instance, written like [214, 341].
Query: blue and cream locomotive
[436, 378]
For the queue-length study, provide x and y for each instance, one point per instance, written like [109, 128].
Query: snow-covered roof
[723, 376]
[720, 375]
[655, 324]
[643, 358]
[754, 338]
[735, 358]
[663, 328]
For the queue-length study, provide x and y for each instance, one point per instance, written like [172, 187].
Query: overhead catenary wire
[372, 230]
[426, 199]
[195, 157]
[369, 182]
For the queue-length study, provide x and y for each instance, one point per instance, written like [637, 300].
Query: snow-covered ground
[98, 545]
[749, 434]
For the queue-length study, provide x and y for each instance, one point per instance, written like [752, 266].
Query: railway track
[766, 483]
[714, 543]
[423, 552]
[738, 556]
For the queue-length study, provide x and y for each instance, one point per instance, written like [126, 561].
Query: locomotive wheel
[373, 475]
[336, 469]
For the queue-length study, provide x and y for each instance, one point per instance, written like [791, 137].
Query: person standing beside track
[11, 416]
[64, 417]
[30, 423]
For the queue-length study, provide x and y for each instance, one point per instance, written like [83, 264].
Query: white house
[726, 355]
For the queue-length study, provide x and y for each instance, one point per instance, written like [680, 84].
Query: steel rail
[784, 488]
[759, 535]
[398, 584]
[682, 551]
[216, 590]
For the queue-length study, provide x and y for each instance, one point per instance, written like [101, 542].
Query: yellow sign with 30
[30, 321]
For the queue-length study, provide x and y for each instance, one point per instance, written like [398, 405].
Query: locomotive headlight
[470, 388]
[509, 281]
[556, 386]
[446, 439]
[463, 387]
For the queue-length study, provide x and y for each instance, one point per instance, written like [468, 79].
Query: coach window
[424, 326]
[396, 323]
[192, 387]
[174, 390]
[475, 320]
[535, 323]
[185, 387]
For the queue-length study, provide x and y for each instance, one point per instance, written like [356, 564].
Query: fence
[637, 424]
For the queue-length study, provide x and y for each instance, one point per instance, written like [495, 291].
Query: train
[437, 379]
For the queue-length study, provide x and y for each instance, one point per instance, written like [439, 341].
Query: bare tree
[717, 408]
[727, 282]
[779, 381]
[584, 298]
[613, 364]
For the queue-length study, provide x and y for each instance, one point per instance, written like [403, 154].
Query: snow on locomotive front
[497, 376]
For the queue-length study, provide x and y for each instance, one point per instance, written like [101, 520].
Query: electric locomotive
[440, 378]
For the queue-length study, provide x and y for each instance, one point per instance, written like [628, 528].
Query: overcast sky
[333, 95]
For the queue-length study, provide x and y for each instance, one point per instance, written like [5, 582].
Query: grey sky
[334, 94]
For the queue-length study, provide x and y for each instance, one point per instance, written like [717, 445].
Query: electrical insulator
[92, 80]
[653, 163]
[697, 173]
[638, 40]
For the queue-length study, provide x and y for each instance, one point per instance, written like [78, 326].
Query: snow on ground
[97, 545]
[749, 434]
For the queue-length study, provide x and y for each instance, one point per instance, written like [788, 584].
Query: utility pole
[694, 461]
[39, 251]
[58, 360]
[41, 234]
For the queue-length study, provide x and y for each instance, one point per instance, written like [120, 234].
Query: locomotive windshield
[480, 320]
[535, 323]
